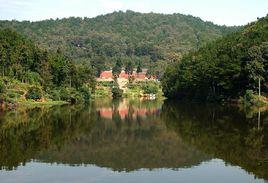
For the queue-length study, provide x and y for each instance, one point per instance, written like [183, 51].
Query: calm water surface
[134, 141]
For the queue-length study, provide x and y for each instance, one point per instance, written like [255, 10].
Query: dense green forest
[150, 39]
[223, 69]
[33, 73]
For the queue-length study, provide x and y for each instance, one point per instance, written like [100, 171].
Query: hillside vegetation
[152, 39]
[223, 69]
[28, 72]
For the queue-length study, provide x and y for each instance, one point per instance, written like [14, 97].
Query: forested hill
[223, 69]
[27, 69]
[129, 35]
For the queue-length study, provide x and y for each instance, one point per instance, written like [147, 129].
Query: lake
[134, 141]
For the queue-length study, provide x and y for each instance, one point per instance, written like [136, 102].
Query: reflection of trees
[223, 133]
[179, 136]
[30, 131]
[75, 135]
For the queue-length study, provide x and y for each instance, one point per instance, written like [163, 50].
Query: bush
[70, 95]
[32, 77]
[117, 92]
[85, 92]
[150, 88]
[2, 86]
[34, 93]
[105, 83]
[249, 97]
[64, 94]
[55, 95]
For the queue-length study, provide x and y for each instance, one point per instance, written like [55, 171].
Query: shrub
[32, 77]
[64, 94]
[150, 88]
[117, 92]
[249, 97]
[2, 86]
[70, 95]
[55, 95]
[85, 93]
[34, 93]
[105, 83]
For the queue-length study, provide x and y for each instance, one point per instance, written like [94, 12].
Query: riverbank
[251, 99]
[135, 89]
[46, 103]
[30, 104]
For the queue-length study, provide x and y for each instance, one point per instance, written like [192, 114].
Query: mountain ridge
[139, 37]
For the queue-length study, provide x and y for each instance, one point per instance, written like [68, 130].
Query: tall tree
[129, 68]
[139, 68]
[117, 68]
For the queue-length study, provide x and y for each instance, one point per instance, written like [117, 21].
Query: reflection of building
[106, 112]
[108, 75]
[124, 110]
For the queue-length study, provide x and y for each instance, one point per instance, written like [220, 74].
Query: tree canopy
[146, 38]
[22, 60]
[222, 69]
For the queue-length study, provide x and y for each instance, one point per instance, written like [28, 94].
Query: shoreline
[11, 106]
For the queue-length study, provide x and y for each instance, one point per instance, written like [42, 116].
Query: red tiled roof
[140, 76]
[123, 75]
[106, 75]
[109, 75]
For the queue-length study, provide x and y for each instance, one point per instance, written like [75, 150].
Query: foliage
[223, 69]
[2, 86]
[34, 93]
[150, 88]
[73, 96]
[117, 68]
[129, 68]
[116, 91]
[85, 91]
[55, 94]
[249, 97]
[22, 60]
[145, 38]
[139, 68]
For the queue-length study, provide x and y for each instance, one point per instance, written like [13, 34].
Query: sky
[222, 12]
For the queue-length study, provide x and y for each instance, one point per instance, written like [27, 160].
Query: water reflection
[128, 108]
[223, 132]
[130, 135]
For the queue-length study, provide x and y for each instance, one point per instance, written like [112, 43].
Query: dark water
[134, 141]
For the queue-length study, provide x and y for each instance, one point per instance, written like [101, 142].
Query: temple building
[108, 75]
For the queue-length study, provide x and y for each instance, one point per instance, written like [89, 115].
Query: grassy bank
[134, 89]
[45, 103]
[15, 93]
[252, 99]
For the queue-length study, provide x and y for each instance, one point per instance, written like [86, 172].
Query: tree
[22, 60]
[139, 68]
[2, 86]
[147, 37]
[129, 68]
[255, 67]
[117, 68]
[116, 91]
[224, 69]
[34, 93]
[150, 88]
[99, 64]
